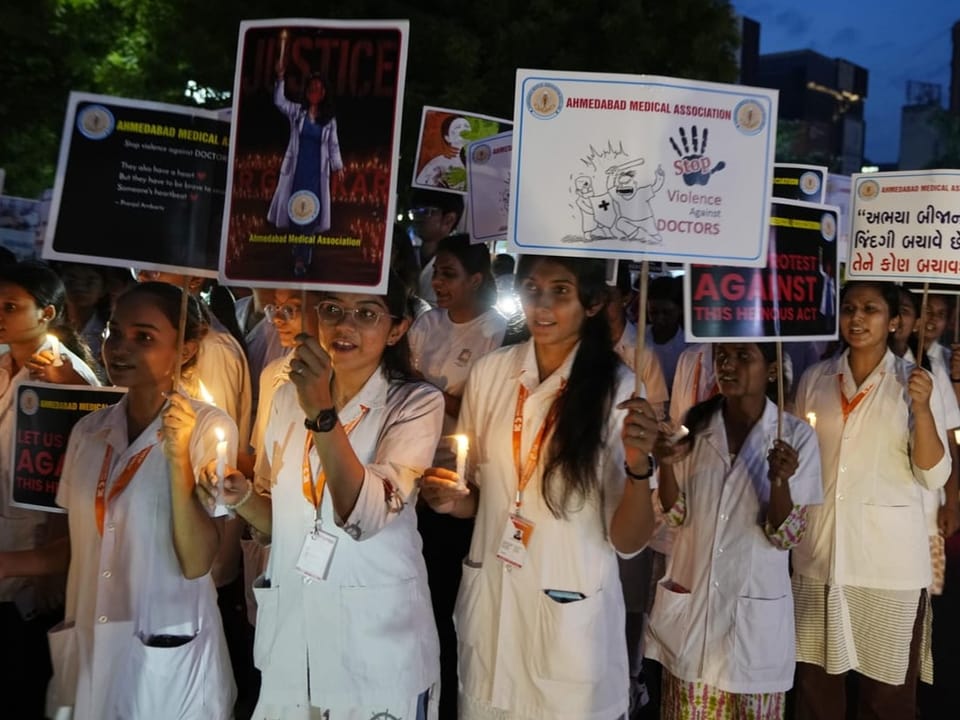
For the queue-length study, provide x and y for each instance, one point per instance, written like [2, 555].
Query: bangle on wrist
[243, 500]
[646, 476]
[954, 379]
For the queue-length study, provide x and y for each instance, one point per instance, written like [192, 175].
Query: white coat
[871, 530]
[296, 114]
[520, 650]
[127, 585]
[733, 629]
[364, 638]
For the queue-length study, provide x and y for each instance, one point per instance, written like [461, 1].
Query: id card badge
[516, 537]
[316, 554]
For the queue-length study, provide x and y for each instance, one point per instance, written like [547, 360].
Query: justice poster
[313, 154]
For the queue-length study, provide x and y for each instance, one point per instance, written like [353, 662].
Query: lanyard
[126, 475]
[313, 492]
[848, 406]
[525, 472]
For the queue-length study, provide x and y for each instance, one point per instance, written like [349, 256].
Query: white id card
[513, 543]
[316, 554]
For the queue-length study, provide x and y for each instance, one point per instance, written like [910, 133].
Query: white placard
[488, 180]
[641, 166]
[905, 226]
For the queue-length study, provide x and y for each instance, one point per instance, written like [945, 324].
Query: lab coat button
[102, 619]
[107, 573]
[716, 584]
[720, 550]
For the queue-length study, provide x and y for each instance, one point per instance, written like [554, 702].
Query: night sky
[895, 40]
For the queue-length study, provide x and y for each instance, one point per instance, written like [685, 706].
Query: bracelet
[954, 380]
[243, 500]
[633, 476]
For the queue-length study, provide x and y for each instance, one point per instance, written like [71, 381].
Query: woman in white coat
[344, 626]
[313, 151]
[722, 621]
[142, 637]
[556, 494]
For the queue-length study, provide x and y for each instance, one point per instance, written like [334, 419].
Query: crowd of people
[427, 508]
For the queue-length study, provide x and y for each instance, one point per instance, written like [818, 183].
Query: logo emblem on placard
[29, 402]
[749, 117]
[544, 100]
[810, 183]
[828, 227]
[480, 154]
[304, 207]
[95, 122]
[868, 190]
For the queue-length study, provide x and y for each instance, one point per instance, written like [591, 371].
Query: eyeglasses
[424, 212]
[283, 312]
[331, 313]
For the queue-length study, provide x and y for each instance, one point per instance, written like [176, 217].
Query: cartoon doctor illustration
[597, 212]
[636, 220]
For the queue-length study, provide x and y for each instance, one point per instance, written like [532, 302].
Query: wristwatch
[651, 466]
[323, 422]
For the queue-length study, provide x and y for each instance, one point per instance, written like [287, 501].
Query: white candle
[679, 435]
[54, 343]
[812, 419]
[221, 461]
[206, 396]
[463, 447]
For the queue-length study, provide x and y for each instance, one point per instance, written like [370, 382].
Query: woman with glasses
[558, 482]
[344, 628]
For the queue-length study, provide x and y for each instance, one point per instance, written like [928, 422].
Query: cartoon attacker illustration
[694, 166]
[597, 212]
[636, 220]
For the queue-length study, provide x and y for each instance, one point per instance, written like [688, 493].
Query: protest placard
[660, 168]
[138, 184]
[488, 173]
[794, 297]
[442, 146]
[313, 153]
[906, 226]
[807, 183]
[838, 195]
[45, 415]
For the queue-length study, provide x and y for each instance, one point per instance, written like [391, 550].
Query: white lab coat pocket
[571, 643]
[268, 608]
[670, 619]
[762, 629]
[382, 638]
[62, 690]
[894, 538]
[472, 625]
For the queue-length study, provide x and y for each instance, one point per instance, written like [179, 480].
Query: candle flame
[812, 419]
[221, 435]
[463, 443]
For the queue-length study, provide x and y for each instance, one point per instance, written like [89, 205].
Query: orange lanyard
[848, 406]
[102, 499]
[313, 492]
[525, 472]
[714, 389]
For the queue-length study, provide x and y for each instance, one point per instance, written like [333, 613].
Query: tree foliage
[462, 55]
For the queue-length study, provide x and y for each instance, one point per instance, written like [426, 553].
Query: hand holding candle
[463, 447]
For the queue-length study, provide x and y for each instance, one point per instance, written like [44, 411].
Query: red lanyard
[102, 499]
[848, 406]
[313, 492]
[525, 472]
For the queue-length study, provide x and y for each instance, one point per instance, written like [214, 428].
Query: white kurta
[444, 351]
[521, 651]
[733, 629]
[20, 528]
[363, 640]
[127, 585]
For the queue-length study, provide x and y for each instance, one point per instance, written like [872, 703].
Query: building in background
[820, 109]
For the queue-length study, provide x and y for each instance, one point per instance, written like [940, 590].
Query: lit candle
[54, 343]
[221, 461]
[956, 436]
[679, 435]
[812, 419]
[463, 447]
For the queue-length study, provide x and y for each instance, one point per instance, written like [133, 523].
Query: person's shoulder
[98, 420]
[414, 393]
[500, 360]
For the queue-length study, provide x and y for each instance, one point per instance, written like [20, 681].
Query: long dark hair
[578, 441]
[326, 109]
[166, 298]
[43, 284]
[698, 417]
[475, 258]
